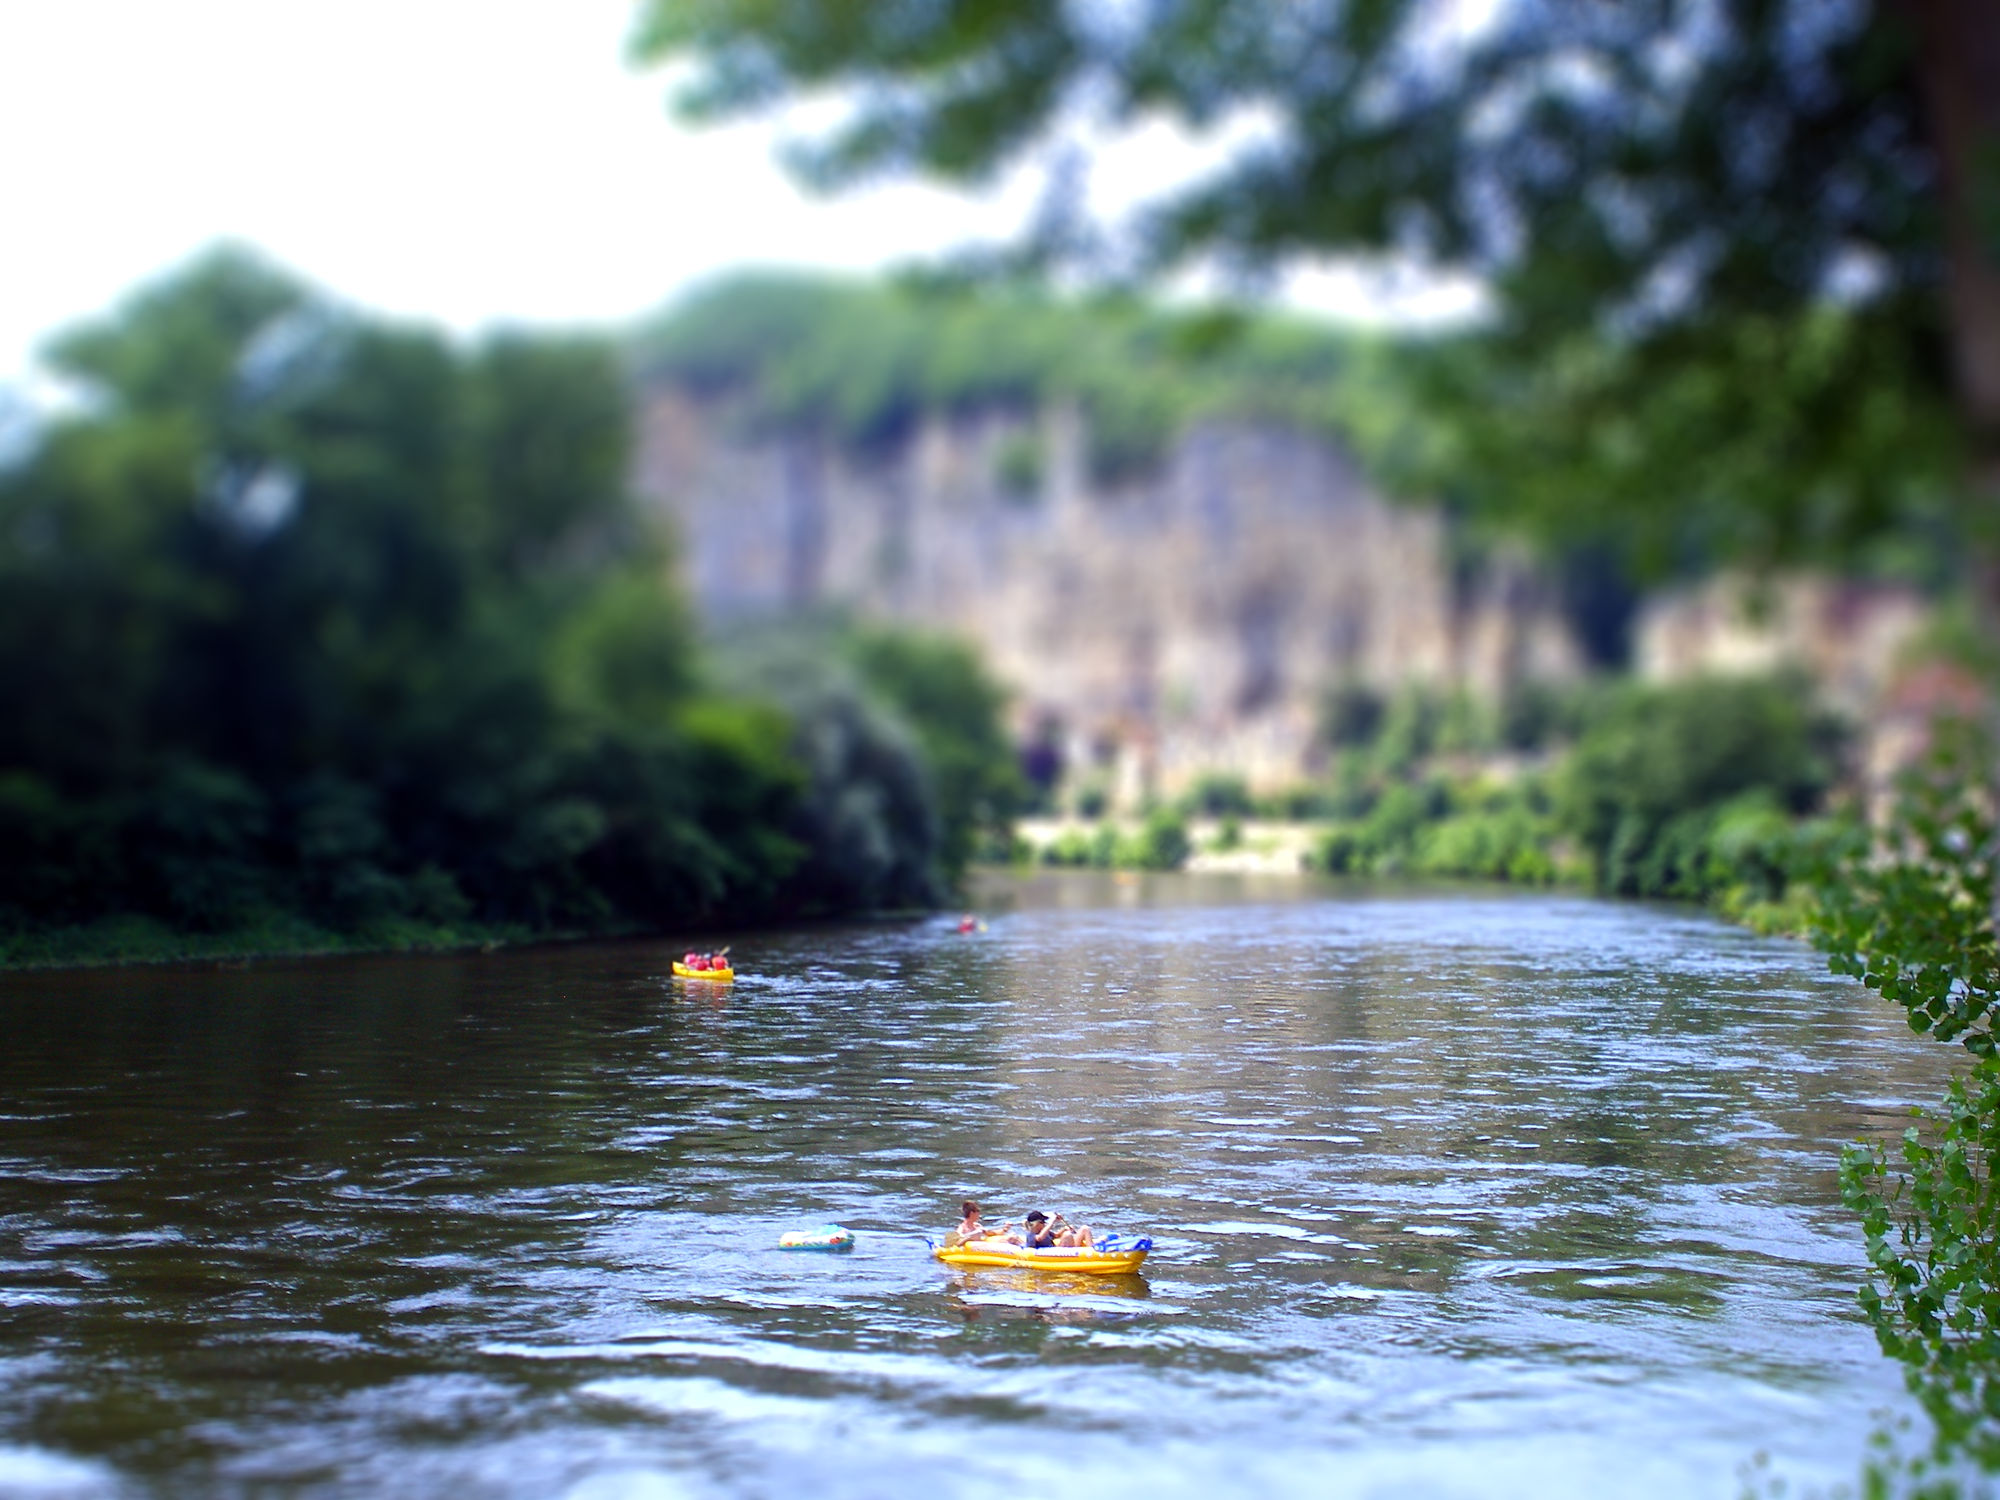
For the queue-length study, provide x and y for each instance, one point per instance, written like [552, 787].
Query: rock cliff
[1180, 621]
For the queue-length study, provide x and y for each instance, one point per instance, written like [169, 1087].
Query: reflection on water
[1051, 1296]
[1476, 1194]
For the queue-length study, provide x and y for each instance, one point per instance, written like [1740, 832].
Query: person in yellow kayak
[971, 1228]
[1058, 1233]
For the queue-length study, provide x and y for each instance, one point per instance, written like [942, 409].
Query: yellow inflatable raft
[720, 976]
[1108, 1257]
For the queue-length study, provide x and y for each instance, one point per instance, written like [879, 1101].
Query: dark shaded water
[1454, 1195]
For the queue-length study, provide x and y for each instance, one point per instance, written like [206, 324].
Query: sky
[468, 162]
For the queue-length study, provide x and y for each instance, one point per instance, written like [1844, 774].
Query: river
[1452, 1194]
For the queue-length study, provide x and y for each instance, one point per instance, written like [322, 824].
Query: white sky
[465, 161]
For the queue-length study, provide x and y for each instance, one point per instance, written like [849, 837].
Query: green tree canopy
[310, 618]
[862, 362]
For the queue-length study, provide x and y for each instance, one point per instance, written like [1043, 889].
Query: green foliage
[1650, 777]
[1409, 730]
[1092, 798]
[1465, 724]
[1393, 734]
[1107, 850]
[1018, 466]
[1163, 842]
[1912, 918]
[866, 813]
[962, 90]
[942, 691]
[1692, 792]
[1932, 1221]
[1438, 829]
[1218, 794]
[1300, 803]
[908, 769]
[1531, 716]
[865, 362]
[1511, 844]
[318, 625]
[1071, 848]
[1350, 714]
[1917, 925]
[1824, 438]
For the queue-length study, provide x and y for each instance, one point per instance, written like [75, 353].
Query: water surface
[1453, 1195]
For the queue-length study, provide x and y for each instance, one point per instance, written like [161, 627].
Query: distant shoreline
[143, 943]
[1263, 846]
[135, 943]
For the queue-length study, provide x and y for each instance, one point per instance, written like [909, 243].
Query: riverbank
[1742, 877]
[136, 940]
[1219, 846]
[1248, 848]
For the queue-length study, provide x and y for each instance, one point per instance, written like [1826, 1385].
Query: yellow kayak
[1107, 1258]
[721, 976]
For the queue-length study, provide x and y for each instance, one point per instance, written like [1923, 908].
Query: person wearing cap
[1058, 1233]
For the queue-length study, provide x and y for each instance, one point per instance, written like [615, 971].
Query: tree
[310, 620]
[1701, 197]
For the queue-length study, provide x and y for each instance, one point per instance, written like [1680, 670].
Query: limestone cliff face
[1849, 638]
[1180, 622]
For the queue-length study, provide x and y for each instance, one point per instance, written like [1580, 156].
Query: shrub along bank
[1709, 791]
[1700, 791]
[1910, 915]
[322, 632]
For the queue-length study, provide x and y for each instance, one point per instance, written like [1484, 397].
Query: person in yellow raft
[1043, 1233]
[1058, 1233]
[971, 1228]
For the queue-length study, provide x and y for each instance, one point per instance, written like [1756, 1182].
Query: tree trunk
[1959, 74]
[1959, 63]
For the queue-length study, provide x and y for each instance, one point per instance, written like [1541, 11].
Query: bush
[1409, 731]
[1912, 919]
[1465, 725]
[1342, 850]
[1648, 779]
[940, 689]
[1219, 794]
[1511, 845]
[1531, 715]
[1350, 715]
[1162, 843]
[1071, 848]
[1933, 1296]
[1299, 804]
[1477, 830]
[1353, 792]
[1018, 465]
[1092, 798]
